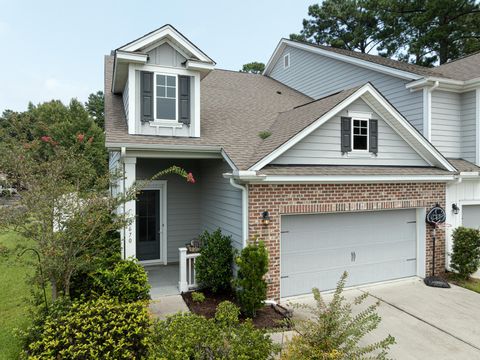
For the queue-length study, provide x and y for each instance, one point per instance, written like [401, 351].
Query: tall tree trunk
[443, 51]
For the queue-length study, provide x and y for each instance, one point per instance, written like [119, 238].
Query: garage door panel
[471, 216]
[371, 246]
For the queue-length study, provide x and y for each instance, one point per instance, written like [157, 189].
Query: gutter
[244, 209]
[123, 152]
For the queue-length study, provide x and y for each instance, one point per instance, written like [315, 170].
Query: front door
[148, 225]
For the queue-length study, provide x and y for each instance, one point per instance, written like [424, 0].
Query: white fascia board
[353, 178]
[273, 59]
[129, 57]
[199, 65]
[162, 33]
[163, 147]
[164, 69]
[457, 86]
[228, 160]
[345, 58]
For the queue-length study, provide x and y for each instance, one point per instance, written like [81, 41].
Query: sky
[54, 49]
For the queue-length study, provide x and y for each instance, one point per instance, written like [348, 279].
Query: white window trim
[165, 121]
[286, 56]
[361, 151]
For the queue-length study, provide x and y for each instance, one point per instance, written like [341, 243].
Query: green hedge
[96, 329]
[465, 251]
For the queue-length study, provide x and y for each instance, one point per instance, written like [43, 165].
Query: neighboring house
[345, 175]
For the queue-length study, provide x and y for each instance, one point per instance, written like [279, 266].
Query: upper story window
[360, 134]
[166, 97]
[286, 61]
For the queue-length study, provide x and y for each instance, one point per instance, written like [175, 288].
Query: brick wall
[328, 198]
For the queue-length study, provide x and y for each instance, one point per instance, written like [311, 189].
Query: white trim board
[424, 148]
[161, 186]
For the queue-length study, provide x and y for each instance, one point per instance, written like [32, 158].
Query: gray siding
[165, 55]
[323, 146]
[446, 123]
[316, 76]
[208, 204]
[468, 125]
[221, 202]
[183, 202]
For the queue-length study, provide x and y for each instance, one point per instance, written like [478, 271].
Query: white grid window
[166, 97]
[360, 134]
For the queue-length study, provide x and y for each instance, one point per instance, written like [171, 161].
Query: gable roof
[236, 106]
[327, 107]
[465, 68]
[170, 32]
[462, 69]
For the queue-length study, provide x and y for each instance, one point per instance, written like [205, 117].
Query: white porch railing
[187, 279]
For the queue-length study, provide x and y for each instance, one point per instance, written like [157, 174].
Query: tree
[62, 206]
[95, 107]
[423, 32]
[345, 24]
[430, 31]
[253, 67]
[63, 124]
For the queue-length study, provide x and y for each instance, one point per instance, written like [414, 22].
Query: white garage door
[371, 246]
[471, 216]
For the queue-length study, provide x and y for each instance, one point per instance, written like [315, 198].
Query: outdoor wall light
[455, 209]
[265, 218]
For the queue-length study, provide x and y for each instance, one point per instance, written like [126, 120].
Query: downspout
[428, 123]
[123, 151]
[244, 209]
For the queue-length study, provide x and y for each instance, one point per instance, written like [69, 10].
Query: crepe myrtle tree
[63, 205]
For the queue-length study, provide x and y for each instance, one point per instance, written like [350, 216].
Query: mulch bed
[267, 318]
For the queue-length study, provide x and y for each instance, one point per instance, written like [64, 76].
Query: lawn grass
[14, 291]
[470, 284]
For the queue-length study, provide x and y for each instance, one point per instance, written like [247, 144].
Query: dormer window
[360, 134]
[166, 97]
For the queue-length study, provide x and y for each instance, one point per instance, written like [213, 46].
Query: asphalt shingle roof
[463, 165]
[465, 68]
[235, 107]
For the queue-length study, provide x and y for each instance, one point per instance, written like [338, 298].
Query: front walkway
[163, 280]
[427, 323]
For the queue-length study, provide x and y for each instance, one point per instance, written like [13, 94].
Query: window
[286, 61]
[166, 97]
[360, 134]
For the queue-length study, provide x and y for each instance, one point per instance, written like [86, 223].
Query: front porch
[169, 213]
[174, 278]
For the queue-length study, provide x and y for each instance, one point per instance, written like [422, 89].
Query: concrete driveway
[427, 323]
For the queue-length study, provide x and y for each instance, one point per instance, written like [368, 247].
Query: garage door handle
[283, 277]
[412, 259]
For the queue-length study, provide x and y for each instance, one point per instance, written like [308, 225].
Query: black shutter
[184, 99]
[373, 134]
[346, 134]
[146, 88]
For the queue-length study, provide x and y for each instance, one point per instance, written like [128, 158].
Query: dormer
[159, 77]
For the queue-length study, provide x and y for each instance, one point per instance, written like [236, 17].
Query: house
[344, 153]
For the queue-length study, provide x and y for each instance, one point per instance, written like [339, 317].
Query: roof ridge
[459, 59]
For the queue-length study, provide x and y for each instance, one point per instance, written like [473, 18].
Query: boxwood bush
[465, 251]
[97, 329]
[251, 286]
[127, 281]
[190, 336]
[214, 266]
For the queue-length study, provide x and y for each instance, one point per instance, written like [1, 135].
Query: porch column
[130, 208]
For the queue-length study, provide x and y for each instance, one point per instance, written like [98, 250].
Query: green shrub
[198, 296]
[127, 281]
[251, 286]
[96, 329]
[190, 336]
[214, 266]
[334, 332]
[465, 251]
